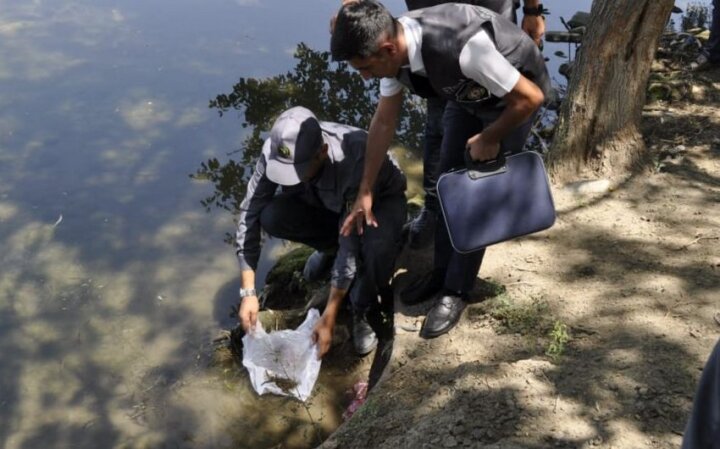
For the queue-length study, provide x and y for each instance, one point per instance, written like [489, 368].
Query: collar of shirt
[413, 40]
[326, 180]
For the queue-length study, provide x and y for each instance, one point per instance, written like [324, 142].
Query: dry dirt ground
[603, 328]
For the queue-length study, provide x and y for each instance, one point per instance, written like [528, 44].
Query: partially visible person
[709, 56]
[703, 428]
[532, 23]
[305, 179]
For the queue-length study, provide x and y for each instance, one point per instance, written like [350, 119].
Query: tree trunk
[598, 127]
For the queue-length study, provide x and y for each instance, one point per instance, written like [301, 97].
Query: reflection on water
[106, 316]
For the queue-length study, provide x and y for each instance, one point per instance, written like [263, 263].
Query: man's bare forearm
[380, 135]
[334, 303]
[525, 99]
[247, 279]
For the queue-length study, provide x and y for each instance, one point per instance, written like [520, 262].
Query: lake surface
[113, 278]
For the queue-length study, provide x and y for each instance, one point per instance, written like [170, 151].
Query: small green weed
[532, 320]
[558, 337]
[524, 319]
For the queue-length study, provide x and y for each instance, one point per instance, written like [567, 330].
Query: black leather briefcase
[490, 203]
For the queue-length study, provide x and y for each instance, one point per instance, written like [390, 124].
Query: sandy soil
[631, 276]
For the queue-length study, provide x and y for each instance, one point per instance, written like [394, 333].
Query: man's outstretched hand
[322, 335]
[361, 214]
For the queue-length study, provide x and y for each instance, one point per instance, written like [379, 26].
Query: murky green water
[113, 277]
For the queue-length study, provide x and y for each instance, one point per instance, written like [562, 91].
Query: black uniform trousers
[292, 216]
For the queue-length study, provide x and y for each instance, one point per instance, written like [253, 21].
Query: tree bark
[598, 127]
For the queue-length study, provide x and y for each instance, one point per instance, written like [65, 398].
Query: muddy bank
[605, 324]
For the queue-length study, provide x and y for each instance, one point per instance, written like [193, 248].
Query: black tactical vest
[445, 31]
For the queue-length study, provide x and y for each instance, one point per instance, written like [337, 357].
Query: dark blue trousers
[432, 144]
[703, 428]
[292, 216]
[713, 44]
[460, 270]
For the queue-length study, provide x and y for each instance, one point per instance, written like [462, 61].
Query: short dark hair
[359, 26]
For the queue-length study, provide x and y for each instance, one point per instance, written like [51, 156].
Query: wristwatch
[245, 292]
[530, 11]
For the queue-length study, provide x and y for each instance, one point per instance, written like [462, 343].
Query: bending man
[494, 79]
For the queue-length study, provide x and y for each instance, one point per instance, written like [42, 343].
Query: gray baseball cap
[295, 139]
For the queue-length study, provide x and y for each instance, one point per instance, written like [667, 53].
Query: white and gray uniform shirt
[334, 189]
[479, 60]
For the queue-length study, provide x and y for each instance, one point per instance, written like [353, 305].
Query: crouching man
[305, 180]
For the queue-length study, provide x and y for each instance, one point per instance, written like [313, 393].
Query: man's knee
[273, 220]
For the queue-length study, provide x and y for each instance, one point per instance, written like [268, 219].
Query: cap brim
[282, 173]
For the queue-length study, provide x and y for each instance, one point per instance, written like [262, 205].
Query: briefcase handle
[481, 169]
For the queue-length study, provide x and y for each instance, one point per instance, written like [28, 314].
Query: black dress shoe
[422, 288]
[443, 316]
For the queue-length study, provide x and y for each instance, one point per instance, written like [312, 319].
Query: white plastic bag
[283, 362]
